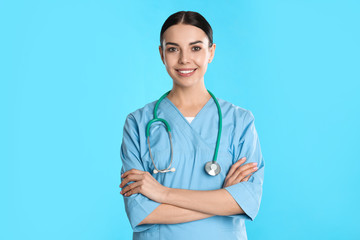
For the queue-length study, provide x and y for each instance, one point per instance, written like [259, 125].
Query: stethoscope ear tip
[172, 169]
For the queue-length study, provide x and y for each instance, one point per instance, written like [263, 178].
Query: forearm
[169, 214]
[215, 202]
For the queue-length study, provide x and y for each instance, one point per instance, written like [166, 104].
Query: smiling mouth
[186, 71]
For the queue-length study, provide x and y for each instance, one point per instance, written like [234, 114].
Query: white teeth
[187, 71]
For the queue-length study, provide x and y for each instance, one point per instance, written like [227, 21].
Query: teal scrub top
[193, 146]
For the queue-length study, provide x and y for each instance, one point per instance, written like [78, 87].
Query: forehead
[183, 33]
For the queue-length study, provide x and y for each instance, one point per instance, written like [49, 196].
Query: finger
[245, 167]
[240, 174]
[132, 191]
[130, 187]
[246, 178]
[248, 165]
[132, 171]
[236, 165]
[129, 178]
[241, 169]
[243, 174]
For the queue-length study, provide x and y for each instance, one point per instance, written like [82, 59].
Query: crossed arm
[170, 214]
[181, 205]
[191, 205]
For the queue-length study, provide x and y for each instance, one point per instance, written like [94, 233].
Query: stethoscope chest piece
[212, 168]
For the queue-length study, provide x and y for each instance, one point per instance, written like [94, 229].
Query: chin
[185, 84]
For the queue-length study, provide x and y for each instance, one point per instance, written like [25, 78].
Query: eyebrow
[192, 43]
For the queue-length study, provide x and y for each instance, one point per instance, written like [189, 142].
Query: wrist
[165, 195]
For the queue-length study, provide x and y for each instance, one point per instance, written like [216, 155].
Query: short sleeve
[248, 194]
[137, 206]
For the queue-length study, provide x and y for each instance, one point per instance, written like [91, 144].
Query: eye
[197, 48]
[172, 49]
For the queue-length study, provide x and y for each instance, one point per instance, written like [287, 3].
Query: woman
[188, 200]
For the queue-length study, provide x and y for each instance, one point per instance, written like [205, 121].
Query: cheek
[202, 60]
[170, 59]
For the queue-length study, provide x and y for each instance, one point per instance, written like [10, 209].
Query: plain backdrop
[71, 71]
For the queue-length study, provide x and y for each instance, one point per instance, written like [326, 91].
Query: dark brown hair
[190, 18]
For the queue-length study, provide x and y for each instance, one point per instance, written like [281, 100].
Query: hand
[239, 174]
[143, 183]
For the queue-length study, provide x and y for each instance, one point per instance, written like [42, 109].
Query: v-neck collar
[193, 131]
[207, 104]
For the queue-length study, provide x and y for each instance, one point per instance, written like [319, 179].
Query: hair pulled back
[190, 18]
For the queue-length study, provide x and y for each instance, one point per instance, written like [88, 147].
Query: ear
[161, 54]
[212, 52]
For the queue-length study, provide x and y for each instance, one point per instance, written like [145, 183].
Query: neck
[190, 96]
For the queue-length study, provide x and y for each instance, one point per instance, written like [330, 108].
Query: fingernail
[254, 163]
[255, 168]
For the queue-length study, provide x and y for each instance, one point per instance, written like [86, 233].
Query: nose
[183, 58]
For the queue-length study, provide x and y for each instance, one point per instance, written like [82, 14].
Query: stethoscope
[211, 167]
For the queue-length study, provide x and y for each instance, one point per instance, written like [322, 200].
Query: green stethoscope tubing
[156, 119]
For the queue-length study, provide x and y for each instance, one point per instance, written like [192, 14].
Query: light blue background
[72, 70]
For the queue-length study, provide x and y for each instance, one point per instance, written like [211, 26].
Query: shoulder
[141, 114]
[231, 110]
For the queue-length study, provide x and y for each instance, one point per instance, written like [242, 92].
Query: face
[186, 54]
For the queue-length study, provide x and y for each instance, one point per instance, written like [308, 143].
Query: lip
[185, 69]
[186, 74]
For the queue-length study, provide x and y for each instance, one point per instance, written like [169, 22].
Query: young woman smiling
[186, 201]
